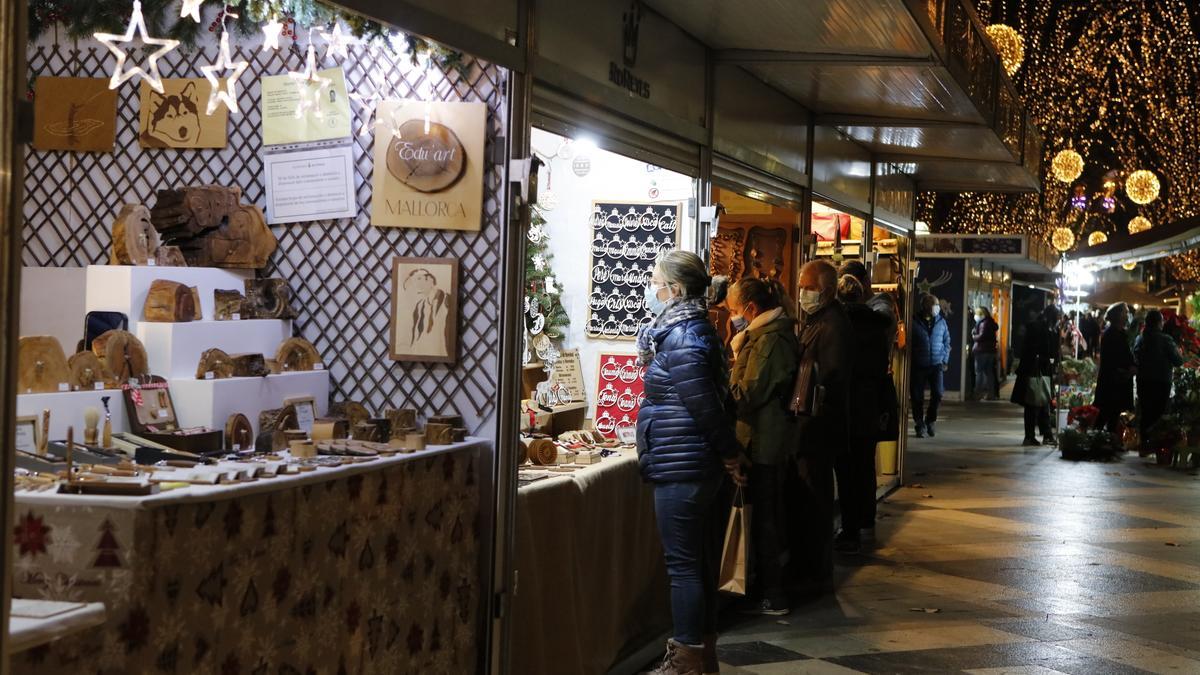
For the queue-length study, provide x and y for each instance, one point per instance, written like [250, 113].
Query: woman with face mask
[930, 358]
[686, 443]
[1114, 381]
[764, 373]
[983, 349]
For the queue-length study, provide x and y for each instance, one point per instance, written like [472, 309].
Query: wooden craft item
[458, 435]
[169, 301]
[543, 451]
[123, 354]
[353, 448]
[414, 442]
[44, 441]
[437, 433]
[330, 430]
[450, 420]
[765, 252]
[239, 434]
[169, 256]
[268, 299]
[184, 213]
[135, 241]
[383, 428]
[249, 365]
[403, 420]
[522, 451]
[87, 370]
[276, 422]
[432, 171]
[91, 426]
[199, 315]
[726, 251]
[244, 241]
[351, 411]
[302, 449]
[227, 303]
[41, 365]
[368, 431]
[216, 362]
[295, 355]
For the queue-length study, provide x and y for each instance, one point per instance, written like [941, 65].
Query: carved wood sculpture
[276, 422]
[217, 362]
[244, 241]
[227, 303]
[239, 434]
[325, 429]
[449, 420]
[403, 421]
[185, 213]
[437, 433]
[268, 299]
[169, 256]
[296, 354]
[87, 370]
[123, 355]
[41, 365]
[169, 301]
[134, 239]
[353, 412]
[249, 365]
[199, 315]
[726, 254]
[766, 248]
[375, 429]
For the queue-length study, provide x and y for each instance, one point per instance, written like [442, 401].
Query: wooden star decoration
[137, 24]
[191, 8]
[310, 84]
[227, 94]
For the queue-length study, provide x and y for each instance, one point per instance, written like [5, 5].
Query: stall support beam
[705, 230]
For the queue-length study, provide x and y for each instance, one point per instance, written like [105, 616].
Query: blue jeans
[985, 374]
[930, 376]
[691, 530]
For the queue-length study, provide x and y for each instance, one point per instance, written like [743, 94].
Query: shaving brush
[107, 441]
[91, 426]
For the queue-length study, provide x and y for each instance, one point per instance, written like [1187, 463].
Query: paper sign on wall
[74, 113]
[176, 117]
[429, 165]
[328, 120]
[310, 184]
[568, 373]
[619, 393]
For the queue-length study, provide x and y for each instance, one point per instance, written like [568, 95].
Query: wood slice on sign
[169, 301]
[122, 353]
[87, 369]
[41, 365]
[426, 162]
[239, 432]
[296, 354]
[217, 362]
[134, 239]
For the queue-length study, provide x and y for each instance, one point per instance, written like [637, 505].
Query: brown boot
[711, 665]
[681, 659]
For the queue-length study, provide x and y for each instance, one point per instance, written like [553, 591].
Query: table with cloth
[591, 584]
[370, 567]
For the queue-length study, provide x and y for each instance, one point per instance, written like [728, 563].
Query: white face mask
[937, 309]
[810, 301]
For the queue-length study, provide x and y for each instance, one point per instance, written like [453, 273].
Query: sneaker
[929, 429]
[766, 608]
[1030, 441]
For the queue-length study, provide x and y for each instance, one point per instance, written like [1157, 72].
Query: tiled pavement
[1002, 559]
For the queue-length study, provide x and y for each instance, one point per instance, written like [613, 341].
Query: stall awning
[1133, 293]
[1158, 242]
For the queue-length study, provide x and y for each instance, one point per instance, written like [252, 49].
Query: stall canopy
[1158, 242]
[1133, 293]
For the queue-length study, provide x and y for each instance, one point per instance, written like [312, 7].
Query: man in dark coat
[1039, 357]
[930, 339]
[1157, 358]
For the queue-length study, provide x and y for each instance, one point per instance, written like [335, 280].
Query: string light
[311, 84]
[1129, 266]
[190, 8]
[1067, 165]
[271, 32]
[336, 42]
[1138, 224]
[1009, 46]
[1063, 239]
[1097, 238]
[150, 74]
[1142, 186]
[217, 94]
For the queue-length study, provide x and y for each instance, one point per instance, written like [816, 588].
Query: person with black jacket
[1040, 354]
[983, 349]
[1157, 357]
[1114, 382]
[686, 443]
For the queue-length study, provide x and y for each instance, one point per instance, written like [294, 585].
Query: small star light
[190, 8]
[227, 94]
[336, 42]
[271, 32]
[137, 24]
[310, 96]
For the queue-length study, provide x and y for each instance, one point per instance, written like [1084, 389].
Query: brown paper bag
[735, 556]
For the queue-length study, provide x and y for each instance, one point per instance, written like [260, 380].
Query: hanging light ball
[1129, 266]
[1097, 238]
[1067, 165]
[1139, 224]
[1142, 186]
[1063, 239]
[1009, 45]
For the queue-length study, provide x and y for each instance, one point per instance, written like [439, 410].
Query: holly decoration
[543, 297]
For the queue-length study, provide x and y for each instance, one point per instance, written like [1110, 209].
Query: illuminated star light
[228, 94]
[137, 24]
[310, 96]
[191, 8]
[336, 42]
[271, 32]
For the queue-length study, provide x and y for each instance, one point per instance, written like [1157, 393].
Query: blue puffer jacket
[930, 343]
[684, 427]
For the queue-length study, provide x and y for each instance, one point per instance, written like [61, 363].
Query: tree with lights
[544, 311]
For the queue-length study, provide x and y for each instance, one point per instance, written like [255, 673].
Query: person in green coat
[766, 357]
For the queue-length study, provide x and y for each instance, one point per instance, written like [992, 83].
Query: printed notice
[326, 115]
[307, 185]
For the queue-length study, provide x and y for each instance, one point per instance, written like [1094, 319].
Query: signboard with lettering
[628, 239]
[619, 393]
[970, 245]
[429, 165]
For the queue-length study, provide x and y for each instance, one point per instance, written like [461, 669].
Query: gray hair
[686, 272]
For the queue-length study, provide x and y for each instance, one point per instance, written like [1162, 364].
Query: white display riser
[174, 349]
[67, 408]
[123, 288]
[209, 403]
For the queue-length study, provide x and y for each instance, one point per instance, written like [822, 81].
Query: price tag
[98, 386]
[208, 375]
[151, 262]
[318, 366]
[162, 412]
[63, 386]
[235, 317]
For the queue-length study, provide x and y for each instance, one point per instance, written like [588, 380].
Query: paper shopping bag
[735, 556]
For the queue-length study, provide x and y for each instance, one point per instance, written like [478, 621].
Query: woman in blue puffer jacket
[686, 442]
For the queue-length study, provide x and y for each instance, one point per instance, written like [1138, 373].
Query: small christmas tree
[544, 311]
[107, 547]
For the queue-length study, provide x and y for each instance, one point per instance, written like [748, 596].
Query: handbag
[1037, 391]
[735, 555]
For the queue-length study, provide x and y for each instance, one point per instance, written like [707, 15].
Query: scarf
[677, 311]
[758, 322]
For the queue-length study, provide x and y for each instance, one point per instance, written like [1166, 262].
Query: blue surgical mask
[653, 304]
[739, 323]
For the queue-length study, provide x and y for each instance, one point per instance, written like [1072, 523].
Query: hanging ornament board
[627, 237]
[619, 394]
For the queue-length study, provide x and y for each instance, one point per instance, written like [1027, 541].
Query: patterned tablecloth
[369, 568]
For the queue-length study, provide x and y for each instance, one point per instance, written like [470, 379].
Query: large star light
[227, 94]
[137, 24]
[310, 95]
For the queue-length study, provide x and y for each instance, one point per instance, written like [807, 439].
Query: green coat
[762, 380]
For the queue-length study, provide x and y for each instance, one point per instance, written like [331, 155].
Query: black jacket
[1039, 357]
[1114, 383]
[871, 350]
[685, 424]
[827, 336]
[1157, 356]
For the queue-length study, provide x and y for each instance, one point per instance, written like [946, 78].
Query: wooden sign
[619, 393]
[568, 374]
[74, 113]
[429, 165]
[176, 118]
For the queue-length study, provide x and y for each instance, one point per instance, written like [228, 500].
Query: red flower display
[1086, 415]
[31, 535]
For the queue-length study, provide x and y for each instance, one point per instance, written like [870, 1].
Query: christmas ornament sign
[619, 393]
[429, 165]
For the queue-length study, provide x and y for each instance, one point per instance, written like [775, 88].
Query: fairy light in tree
[227, 94]
[1142, 186]
[149, 74]
[1009, 46]
[272, 29]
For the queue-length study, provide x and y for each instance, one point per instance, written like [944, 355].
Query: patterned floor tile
[754, 653]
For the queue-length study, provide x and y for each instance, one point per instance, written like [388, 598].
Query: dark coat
[1039, 357]
[1114, 383]
[930, 342]
[685, 425]
[826, 338]
[1157, 357]
[762, 381]
[871, 350]
[984, 336]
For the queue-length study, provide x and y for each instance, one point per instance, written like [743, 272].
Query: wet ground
[1000, 559]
